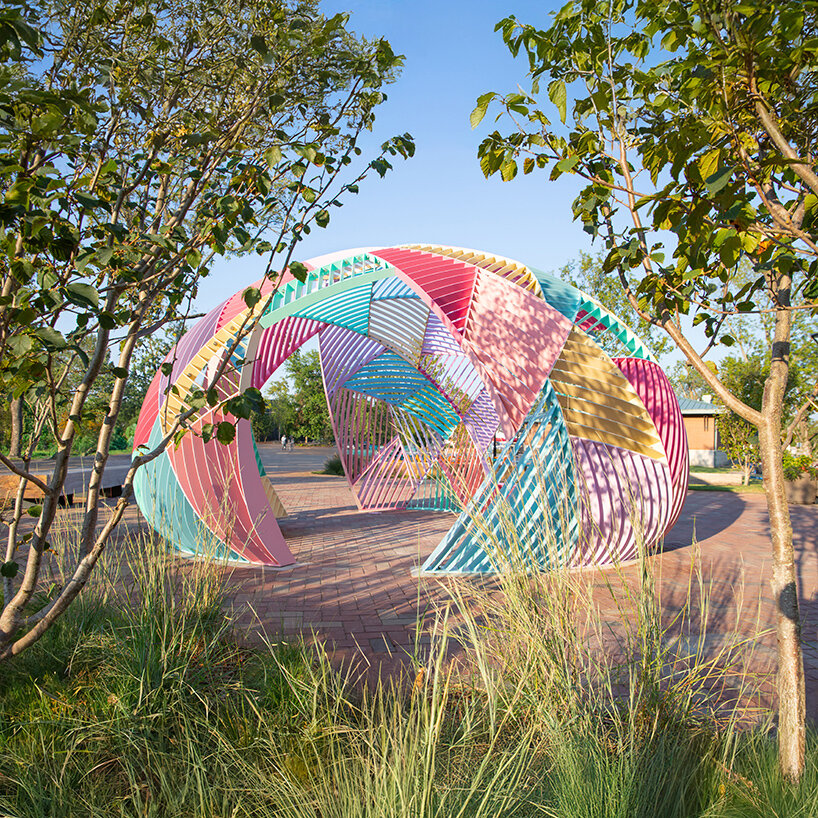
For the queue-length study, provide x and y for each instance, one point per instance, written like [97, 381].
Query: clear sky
[440, 196]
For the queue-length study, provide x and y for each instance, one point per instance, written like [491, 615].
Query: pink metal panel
[230, 500]
[278, 342]
[149, 412]
[655, 391]
[516, 337]
[446, 282]
[236, 304]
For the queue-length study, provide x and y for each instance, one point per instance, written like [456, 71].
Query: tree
[739, 441]
[278, 416]
[692, 130]
[688, 383]
[138, 140]
[309, 405]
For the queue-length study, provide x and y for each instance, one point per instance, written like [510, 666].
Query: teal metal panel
[524, 515]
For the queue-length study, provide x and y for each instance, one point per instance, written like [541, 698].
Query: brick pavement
[353, 585]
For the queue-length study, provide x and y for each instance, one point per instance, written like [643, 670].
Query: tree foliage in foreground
[138, 139]
[692, 129]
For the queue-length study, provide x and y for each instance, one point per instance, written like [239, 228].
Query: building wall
[713, 458]
[702, 438]
[701, 432]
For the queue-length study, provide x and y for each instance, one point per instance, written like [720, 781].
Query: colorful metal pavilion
[431, 355]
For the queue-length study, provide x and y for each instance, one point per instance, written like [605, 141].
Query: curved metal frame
[429, 355]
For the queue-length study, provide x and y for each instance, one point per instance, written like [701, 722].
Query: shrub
[797, 465]
[333, 466]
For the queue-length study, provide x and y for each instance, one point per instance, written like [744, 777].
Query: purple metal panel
[623, 496]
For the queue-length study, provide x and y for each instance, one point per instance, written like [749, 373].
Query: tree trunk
[791, 693]
[16, 432]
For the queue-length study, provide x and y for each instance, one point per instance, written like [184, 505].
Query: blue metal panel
[349, 309]
[561, 296]
[430, 406]
[525, 514]
[389, 378]
[392, 288]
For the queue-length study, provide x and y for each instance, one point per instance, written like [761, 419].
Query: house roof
[689, 406]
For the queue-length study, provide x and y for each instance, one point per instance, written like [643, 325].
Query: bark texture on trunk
[791, 692]
[16, 431]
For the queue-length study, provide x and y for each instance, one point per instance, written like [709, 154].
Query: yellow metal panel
[505, 268]
[275, 500]
[597, 400]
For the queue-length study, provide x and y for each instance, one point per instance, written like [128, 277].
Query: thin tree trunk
[16, 432]
[791, 692]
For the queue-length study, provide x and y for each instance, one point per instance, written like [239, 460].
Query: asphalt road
[274, 458]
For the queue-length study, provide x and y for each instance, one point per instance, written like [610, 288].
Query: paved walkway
[353, 585]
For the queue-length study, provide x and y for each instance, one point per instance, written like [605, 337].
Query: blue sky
[440, 196]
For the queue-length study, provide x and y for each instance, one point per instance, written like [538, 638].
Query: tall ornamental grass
[530, 700]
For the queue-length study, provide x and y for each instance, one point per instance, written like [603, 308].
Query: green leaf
[83, 294]
[567, 164]
[709, 162]
[19, 345]
[103, 255]
[254, 400]
[476, 116]
[730, 251]
[9, 569]
[251, 296]
[259, 45]
[51, 338]
[508, 170]
[18, 192]
[272, 156]
[119, 371]
[718, 180]
[34, 511]
[225, 432]
[558, 95]
[298, 270]
[322, 218]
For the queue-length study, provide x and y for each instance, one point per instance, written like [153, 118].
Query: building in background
[702, 434]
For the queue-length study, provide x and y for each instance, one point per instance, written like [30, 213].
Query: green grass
[145, 703]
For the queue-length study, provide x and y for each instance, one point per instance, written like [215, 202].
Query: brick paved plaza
[354, 587]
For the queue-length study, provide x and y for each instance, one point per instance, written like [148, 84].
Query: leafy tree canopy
[692, 129]
[138, 139]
